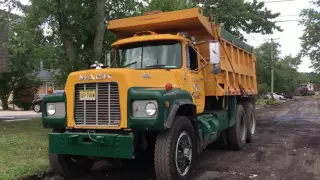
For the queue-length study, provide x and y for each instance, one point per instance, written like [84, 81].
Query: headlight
[151, 109]
[145, 109]
[51, 109]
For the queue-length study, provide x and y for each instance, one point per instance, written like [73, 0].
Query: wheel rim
[243, 129]
[183, 155]
[37, 108]
[253, 124]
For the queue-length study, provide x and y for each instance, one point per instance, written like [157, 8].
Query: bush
[263, 88]
[24, 93]
[271, 101]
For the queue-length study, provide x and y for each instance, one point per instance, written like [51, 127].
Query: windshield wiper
[130, 64]
[155, 66]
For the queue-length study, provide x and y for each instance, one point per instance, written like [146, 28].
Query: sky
[289, 38]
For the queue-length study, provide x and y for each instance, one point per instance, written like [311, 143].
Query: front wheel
[70, 166]
[175, 150]
[37, 108]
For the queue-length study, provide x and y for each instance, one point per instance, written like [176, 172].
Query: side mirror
[214, 52]
[215, 57]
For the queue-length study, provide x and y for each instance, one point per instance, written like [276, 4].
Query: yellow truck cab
[176, 84]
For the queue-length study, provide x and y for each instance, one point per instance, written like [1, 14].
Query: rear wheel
[251, 121]
[237, 134]
[175, 150]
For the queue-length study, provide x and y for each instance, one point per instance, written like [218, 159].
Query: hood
[126, 78]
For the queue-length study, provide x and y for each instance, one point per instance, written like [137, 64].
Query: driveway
[287, 147]
[18, 115]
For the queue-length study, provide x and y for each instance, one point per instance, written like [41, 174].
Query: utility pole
[272, 64]
[272, 67]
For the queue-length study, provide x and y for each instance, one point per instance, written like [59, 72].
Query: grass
[23, 149]
[262, 102]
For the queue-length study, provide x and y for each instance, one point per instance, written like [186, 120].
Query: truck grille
[105, 110]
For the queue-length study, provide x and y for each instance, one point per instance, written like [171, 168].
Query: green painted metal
[53, 122]
[235, 40]
[222, 117]
[161, 96]
[97, 145]
[209, 127]
[232, 110]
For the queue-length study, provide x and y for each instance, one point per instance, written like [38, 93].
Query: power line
[255, 39]
[276, 1]
[289, 20]
[289, 15]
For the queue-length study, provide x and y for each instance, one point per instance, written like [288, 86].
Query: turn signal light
[168, 86]
[167, 104]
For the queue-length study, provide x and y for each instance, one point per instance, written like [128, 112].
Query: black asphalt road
[287, 147]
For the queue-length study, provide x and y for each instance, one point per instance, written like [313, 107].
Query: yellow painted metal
[126, 78]
[148, 38]
[238, 65]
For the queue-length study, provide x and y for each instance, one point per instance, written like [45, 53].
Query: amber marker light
[167, 104]
[168, 86]
[50, 90]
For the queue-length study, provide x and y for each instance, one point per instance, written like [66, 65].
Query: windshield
[151, 54]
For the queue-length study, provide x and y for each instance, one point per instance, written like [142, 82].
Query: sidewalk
[14, 115]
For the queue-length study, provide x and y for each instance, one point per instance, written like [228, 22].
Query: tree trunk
[4, 101]
[100, 29]
[66, 36]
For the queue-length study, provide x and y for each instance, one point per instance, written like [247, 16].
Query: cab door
[194, 78]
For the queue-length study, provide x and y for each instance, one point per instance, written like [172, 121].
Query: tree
[77, 29]
[314, 77]
[169, 5]
[311, 36]
[234, 15]
[286, 76]
[241, 15]
[264, 64]
[26, 47]
[5, 80]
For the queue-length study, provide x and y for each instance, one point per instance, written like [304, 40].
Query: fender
[37, 100]
[175, 108]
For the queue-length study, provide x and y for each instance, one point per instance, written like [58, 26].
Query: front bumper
[97, 145]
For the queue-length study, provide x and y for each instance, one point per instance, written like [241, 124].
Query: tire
[167, 151]
[251, 121]
[68, 165]
[221, 142]
[37, 107]
[237, 134]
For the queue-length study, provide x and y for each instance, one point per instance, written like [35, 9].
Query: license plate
[87, 95]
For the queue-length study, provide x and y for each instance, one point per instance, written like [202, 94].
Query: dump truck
[175, 84]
